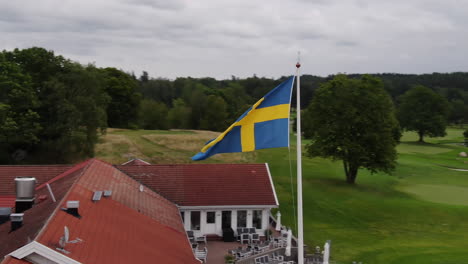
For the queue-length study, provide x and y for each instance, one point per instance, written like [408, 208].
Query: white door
[210, 225]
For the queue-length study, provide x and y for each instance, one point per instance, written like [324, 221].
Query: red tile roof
[136, 162]
[41, 173]
[36, 217]
[208, 184]
[7, 201]
[130, 226]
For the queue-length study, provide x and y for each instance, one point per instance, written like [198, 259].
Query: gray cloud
[220, 38]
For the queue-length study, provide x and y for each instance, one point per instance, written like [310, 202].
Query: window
[210, 217]
[257, 219]
[195, 220]
[182, 214]
[242, 218]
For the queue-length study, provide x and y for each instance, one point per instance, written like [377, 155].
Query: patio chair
[254, 238]
[245, 237]
[201, 239]
[201, 254]
[252, 230]
[190, 236]
[239, 232]
[277, 256]
[258, 260]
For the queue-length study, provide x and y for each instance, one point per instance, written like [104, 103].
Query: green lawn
[417, 215]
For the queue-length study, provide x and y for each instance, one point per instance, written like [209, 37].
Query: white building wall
[202, 222]
[218, 224]
[234, 220]
[249, 218]
[219, 228]
[186, 220]
[265, 221]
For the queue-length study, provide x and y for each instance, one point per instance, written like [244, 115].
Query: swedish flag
[264, 125]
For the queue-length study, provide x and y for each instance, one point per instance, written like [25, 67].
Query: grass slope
[417, 215]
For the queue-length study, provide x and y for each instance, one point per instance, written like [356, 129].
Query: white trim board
[272, 185]
[40, 249]
[239, 207]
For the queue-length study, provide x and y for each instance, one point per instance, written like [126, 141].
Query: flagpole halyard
[300, 224]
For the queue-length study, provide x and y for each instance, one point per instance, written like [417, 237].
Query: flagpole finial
[298, 64]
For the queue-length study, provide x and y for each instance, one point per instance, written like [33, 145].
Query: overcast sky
[218, 38]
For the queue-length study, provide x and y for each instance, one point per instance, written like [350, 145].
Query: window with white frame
[257, 219]
[242, 218]
[210, 217]
[195, 220]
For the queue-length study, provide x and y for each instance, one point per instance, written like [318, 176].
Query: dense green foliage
[353, 120]
[53, 109]
[423, 111]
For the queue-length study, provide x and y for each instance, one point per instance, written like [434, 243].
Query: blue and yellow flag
[264, 125]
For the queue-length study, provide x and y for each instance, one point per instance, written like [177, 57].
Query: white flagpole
[300, 228]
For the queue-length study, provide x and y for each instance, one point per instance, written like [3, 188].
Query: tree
[19, 121]
[179, 115]
[153, 115]
[76, 111]
[123, 108]
[423, 111]
[353, 120]
[214, 117]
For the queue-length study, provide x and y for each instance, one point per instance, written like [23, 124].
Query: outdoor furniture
[228, 235]
[200, 239]
[262, 248]
[201, 254]
[252, 230]
[254, 238]
[194, 246]
[245, 237]
[277, 256]
[239, 232]
[262, 259]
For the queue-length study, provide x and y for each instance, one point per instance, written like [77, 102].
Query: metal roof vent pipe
[24, 193]
[72, 208]
[16, 221]
[4, 214]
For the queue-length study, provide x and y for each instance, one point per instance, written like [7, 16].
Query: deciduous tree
[353, 120]
[423, 111]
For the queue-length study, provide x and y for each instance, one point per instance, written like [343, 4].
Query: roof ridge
[139, 182]
[85, 165]
[38, 165]
[65, 173]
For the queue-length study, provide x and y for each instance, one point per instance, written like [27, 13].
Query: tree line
[52, 110]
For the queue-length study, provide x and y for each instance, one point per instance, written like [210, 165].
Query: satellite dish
[141, 188]
[65, 239]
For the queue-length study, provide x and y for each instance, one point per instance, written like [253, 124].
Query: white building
[213, 196]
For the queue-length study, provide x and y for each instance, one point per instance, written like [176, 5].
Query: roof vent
[4, 214]
[97, 196]
[72, 208]
[16, 221]
[25, 188]
[24, 193]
